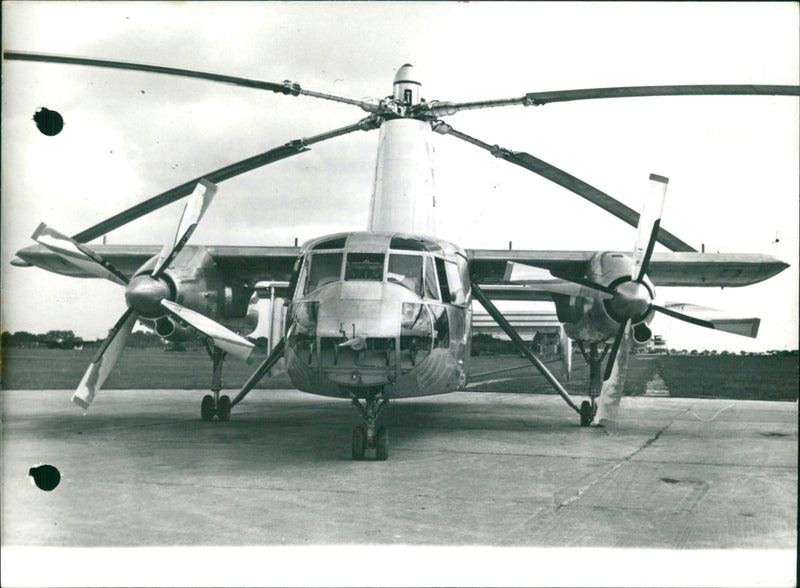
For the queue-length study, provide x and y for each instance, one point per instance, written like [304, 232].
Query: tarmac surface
[140, 469]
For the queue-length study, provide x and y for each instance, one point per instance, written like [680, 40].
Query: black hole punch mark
[670, 480]
[46, 477]
[49, 122]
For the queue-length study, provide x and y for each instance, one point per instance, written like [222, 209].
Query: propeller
[544, 280]
[630, 301]
[146, 294]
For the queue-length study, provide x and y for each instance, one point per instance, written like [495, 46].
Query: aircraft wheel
[224, 410]
[359, 443]
[382, 444]
[207, 408]
[586, 413]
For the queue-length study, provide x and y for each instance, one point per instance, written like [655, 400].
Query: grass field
[739, 377]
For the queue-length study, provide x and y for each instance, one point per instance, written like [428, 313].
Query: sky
[732, 161]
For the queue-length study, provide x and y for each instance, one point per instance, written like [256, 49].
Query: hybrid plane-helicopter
[386, 313]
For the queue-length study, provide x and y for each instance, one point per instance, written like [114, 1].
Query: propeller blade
[539, 98]
[222, 337]
[77, 254]
[287, 87]
[623, 336]
[192, 213]
[104, 361]
[746, 327]
[222, 174]
[649, 222]
[568, 181]
[614, 378]
[542, 279]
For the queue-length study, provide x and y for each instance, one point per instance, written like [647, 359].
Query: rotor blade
[649, 221]
[104, 361]
[539, 98]
[77, 254]
[614, 378]
[286, 87]
[225, 173]
[542, 279]
[222, 337]
[192, 213]
[261, 371]
[746, 327]
[569, 182]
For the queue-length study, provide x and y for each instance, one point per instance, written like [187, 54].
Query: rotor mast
[403, 198]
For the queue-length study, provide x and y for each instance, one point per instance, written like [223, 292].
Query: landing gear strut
[369, 434]
[595, 359]
[216, 404]
[501, 321]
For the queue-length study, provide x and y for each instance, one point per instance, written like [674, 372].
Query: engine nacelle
[592, 320]
[641, 335]
[168, 329]
[194, 281]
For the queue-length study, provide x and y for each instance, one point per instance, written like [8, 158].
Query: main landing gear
[216, 404]
[369, 434]
[594, 357]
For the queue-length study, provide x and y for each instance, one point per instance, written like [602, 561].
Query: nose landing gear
[369, 434]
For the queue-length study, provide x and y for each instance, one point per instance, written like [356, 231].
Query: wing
[236, 264]
[488, 267]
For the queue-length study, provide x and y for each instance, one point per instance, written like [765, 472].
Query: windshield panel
[364, 266]
[406, 270]
[325, 268]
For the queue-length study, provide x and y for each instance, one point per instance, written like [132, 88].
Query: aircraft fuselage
[383, 314]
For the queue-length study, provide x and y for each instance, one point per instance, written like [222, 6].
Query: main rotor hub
[406, 86]
[144, 294]
[631, 301]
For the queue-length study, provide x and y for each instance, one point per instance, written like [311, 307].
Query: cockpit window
[452, 283]
[406, 244]
[324, 269]
[431, 291]
[334, 243]
[406, 270]
[364, 266]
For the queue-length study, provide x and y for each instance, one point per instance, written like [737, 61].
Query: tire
[586, 413]
[207, 408]
[382, 444]
[224, 410]
[359, 443]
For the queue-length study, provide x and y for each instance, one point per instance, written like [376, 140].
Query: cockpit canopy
[432, 269]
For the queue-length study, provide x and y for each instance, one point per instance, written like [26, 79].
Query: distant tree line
[62, 339]
[482, 344]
